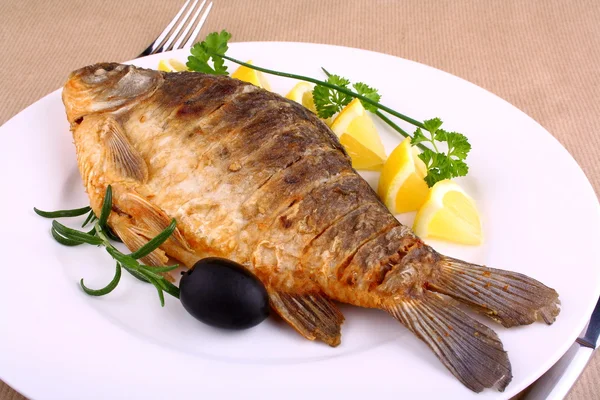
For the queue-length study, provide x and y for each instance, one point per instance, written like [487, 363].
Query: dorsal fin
[121, 155]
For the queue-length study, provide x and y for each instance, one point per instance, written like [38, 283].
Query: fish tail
[470, 350]
[507, 297]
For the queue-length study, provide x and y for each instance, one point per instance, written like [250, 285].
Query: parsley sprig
[100, 236]
[209, 50]
[329, 101]
[442, 164]
[331, 95]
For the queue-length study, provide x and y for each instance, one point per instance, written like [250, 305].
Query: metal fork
[164, 41]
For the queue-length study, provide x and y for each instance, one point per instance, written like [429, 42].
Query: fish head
[106, 87]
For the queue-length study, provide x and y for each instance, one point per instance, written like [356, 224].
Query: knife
[556, 383]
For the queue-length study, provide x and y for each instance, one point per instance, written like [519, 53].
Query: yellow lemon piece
[356, 131]
[362, 157]
[298, 93]
[302, 93]
[402, 186]
[171, 65]
[308, 102]
[252, 76]
[449, 214]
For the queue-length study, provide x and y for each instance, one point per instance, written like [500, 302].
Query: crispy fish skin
[258, 179]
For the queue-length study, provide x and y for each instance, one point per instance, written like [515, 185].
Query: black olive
[222, 293]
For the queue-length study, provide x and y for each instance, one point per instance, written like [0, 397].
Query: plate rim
[552, 360]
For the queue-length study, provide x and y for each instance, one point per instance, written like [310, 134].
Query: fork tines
[179, 37]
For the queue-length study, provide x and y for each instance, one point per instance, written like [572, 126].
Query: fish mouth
[98, 73]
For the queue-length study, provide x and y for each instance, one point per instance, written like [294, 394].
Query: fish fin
[313, 315]
[470, 350]
[507, 297]
[125, 159]
[133, 240]
[149, 221]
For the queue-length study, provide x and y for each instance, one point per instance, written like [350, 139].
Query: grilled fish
[258, 179]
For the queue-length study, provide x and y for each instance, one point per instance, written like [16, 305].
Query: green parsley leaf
[418, 137]
[442, 165]
[339, 81]
[370, 93]
[433, 124]
[329, 101]
[427, 157]
[458, 168]
[458, 145]
[217, 42]
[440, 135]
[436, 164]
[210, 49]
[435, 175]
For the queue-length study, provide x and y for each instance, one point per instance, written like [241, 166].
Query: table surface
[541, 56]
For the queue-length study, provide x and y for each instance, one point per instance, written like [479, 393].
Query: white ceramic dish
[540, 215]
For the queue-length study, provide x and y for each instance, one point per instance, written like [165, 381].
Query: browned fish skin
[258, 179]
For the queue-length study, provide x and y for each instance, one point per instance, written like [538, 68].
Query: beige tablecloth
[542, 56]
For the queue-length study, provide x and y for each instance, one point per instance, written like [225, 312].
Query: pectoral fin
[313, 315]
[122, 156]
[149, 221]
[134, 241]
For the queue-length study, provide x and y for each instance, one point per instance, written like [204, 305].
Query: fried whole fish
[258, 179]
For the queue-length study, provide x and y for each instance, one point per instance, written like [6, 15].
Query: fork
[164, 41]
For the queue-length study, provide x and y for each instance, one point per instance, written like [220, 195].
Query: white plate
[540, 216]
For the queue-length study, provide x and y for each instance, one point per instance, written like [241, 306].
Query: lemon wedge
[302, 93]
[171, 65]
[402, 186]
[356, 131]
[252, 76]
[449, 214]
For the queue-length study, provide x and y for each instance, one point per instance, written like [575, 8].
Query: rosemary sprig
[108, 288]
[75, 235]
[154, 243]
[90, 218]
[106, 207]
[112, 236]
[62, 213]
[101, 235]
[63, 240]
